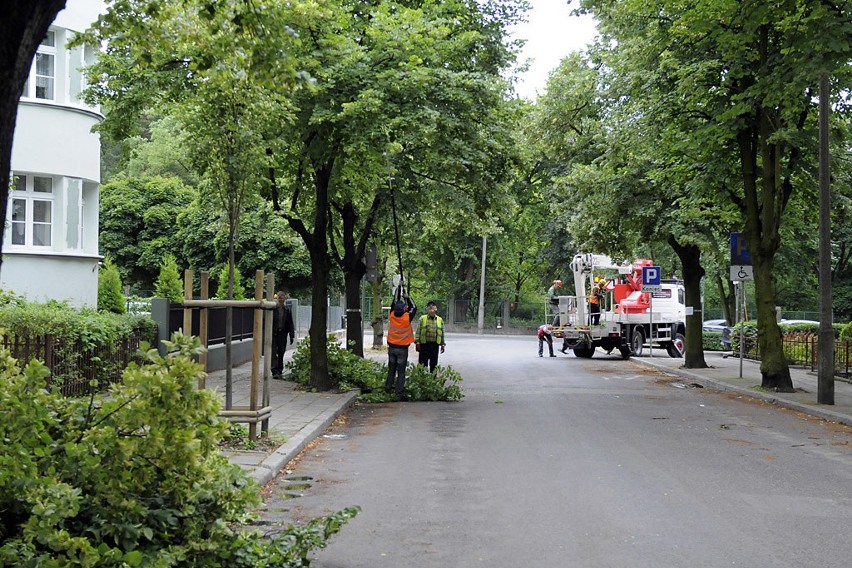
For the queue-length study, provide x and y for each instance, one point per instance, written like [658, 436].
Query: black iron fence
[803, 349]
[242, 328]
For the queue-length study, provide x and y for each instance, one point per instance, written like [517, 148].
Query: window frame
[32, 200]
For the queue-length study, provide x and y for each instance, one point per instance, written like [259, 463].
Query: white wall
[52, 277]
[56, 140]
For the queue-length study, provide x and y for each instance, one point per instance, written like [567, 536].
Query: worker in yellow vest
[400, 337]
[430, 337]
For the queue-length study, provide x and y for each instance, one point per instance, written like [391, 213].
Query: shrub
[712, 341]
[76, 332]
[222, 289]
[133, 479]
[348, 371]
[110, 296]
[169, 285]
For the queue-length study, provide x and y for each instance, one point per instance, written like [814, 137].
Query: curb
[817, 411]
[267, 469]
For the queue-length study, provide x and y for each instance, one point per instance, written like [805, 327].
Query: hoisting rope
[396, 229]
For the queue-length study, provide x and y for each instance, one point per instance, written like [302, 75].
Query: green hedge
[87, 342]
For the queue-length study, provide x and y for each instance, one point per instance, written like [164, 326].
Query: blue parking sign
[740, 254]
[651, 276]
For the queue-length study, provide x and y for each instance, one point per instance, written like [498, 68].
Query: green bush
[110, 296]
[712, 341]
[348, 371]
[75, 332]
[749, 330]
[132, 479]
[222, 289]
[169, 284]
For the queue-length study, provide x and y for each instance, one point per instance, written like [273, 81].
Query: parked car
[799, 322]
[715, 325]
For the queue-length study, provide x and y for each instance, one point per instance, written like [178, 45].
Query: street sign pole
[651, 279]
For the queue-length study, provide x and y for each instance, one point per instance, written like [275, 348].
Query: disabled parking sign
[741, 269]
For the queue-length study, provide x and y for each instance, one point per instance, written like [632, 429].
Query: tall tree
[751, 66]
[413, 82]
[23, 26]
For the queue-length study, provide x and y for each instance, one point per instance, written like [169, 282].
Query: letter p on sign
[651, 276]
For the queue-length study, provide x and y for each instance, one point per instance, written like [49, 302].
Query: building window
[32, 211]
[45, 68]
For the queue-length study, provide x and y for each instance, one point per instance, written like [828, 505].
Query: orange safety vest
[399, 330]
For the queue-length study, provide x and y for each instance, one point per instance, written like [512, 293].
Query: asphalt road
[566, 462]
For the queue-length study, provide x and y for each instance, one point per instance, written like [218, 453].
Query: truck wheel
[584, 351]
[676, 347]
[637, 342]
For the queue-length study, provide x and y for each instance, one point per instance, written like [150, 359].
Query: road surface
[567, 462]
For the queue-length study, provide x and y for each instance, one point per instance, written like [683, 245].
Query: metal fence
[76, 369]
[803, 349]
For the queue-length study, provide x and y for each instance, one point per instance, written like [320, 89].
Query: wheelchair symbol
[742, 274]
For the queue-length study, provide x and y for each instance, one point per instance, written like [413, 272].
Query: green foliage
[749, 331]
[846, 332]
[8, 297]
[712, 341]
[110, 296]
[132, 479]
[76, 332]
[169, 284]
[138, 222]
[443, 384]
[222, 288]
[351, 371]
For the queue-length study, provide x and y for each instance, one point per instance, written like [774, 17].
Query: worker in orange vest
[400, 337]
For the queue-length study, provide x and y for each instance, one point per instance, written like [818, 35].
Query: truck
[630, 318]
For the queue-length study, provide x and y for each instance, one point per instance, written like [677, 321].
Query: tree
[221, 69]
[23, 26]
[405, 82]
[139, 224]
[110, 296]
[169, 284]
[751, 67]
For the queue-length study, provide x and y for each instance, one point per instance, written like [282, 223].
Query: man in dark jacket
[282, 327]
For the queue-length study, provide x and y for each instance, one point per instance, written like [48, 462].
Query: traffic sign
[651, 278]
[740, 255]
[742, 273]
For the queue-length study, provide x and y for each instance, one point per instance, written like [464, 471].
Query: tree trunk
[23, 26]
[354, 269]
[774, 370]
[354, 320]
[727, 299]
[377, 322]
[693, 272]
[763, 211]
[321, 265]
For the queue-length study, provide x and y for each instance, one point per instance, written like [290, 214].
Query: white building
[50, 247]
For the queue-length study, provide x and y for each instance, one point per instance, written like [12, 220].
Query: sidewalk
[724, 374]
[297, 415]
[300, 416]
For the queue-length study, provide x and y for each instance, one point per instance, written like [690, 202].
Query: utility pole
[825, 368]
